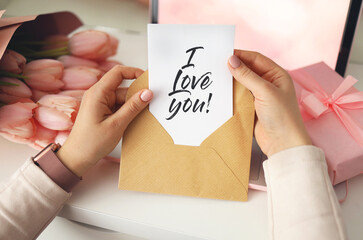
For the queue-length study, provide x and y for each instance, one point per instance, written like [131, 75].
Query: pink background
[294, 33]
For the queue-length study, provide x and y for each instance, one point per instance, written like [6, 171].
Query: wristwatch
[51, 165]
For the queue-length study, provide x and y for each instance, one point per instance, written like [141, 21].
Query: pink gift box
[333, 115]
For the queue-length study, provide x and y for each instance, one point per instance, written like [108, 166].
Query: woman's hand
[279, 124]
[100, 125]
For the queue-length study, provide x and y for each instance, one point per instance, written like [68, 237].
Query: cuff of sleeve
[306, 153]
[283, 163]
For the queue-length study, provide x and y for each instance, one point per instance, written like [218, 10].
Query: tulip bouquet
[42, 84]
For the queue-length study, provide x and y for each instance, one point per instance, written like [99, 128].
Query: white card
[188, 73]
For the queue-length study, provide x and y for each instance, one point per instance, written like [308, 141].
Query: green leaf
[12, 75]
[2, 83]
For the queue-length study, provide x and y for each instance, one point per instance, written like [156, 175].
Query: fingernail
[234, 61]
[146, 95]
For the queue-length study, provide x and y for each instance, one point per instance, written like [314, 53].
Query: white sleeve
[29, 201]
[301, 200]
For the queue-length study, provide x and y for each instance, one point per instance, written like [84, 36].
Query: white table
[97, 201]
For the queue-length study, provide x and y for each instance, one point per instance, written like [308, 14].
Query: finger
[265, 68]
[257, 62]
[113, 78]
[247, 77]
[131, 108]
[121, 95]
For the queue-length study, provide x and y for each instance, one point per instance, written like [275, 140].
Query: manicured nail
[234, 61]
[146, 95]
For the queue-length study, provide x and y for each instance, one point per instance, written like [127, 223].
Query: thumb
[132, 108]
[246, 76]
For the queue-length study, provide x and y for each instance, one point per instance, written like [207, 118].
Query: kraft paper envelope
[218, 168]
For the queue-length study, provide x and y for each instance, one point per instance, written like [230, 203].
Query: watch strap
[55, 169]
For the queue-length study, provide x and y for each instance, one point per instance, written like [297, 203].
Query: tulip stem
[13, 75]
[52, 51]
[34, 54]
[40, 43]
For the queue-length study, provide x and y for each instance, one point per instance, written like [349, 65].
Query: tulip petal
[78, 94]
[14, 113]
[61, 137]
[72, 61]
[8, 99]
[12, 62]
[15, 139]
[90, 44]
[37, 94]
[43, 81]
[22, 90]
[65, 104]
[53, 119]
[43, 136]
[23, 129]
[49, 66]
[78, 78]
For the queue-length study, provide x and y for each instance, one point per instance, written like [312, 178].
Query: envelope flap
[233, 140]
[150, 162]
[158, 134]
[179, 170]
[242, 97]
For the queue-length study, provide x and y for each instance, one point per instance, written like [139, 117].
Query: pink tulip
[53, 119]
[78, 94]
[66, 104]
[80, 77]
[56, 41]
[57, 112]
[72, 61]
[8, 99]
[44, 74]
[113, 46]
[107, 65]
[43, 136]
[37, 94]
[61, 137]
[48, 66]
[44, 82]
[22, 90]
[92, 44]
[12, 62]
[16, 122]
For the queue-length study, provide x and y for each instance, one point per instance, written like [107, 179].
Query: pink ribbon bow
[315, 101]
